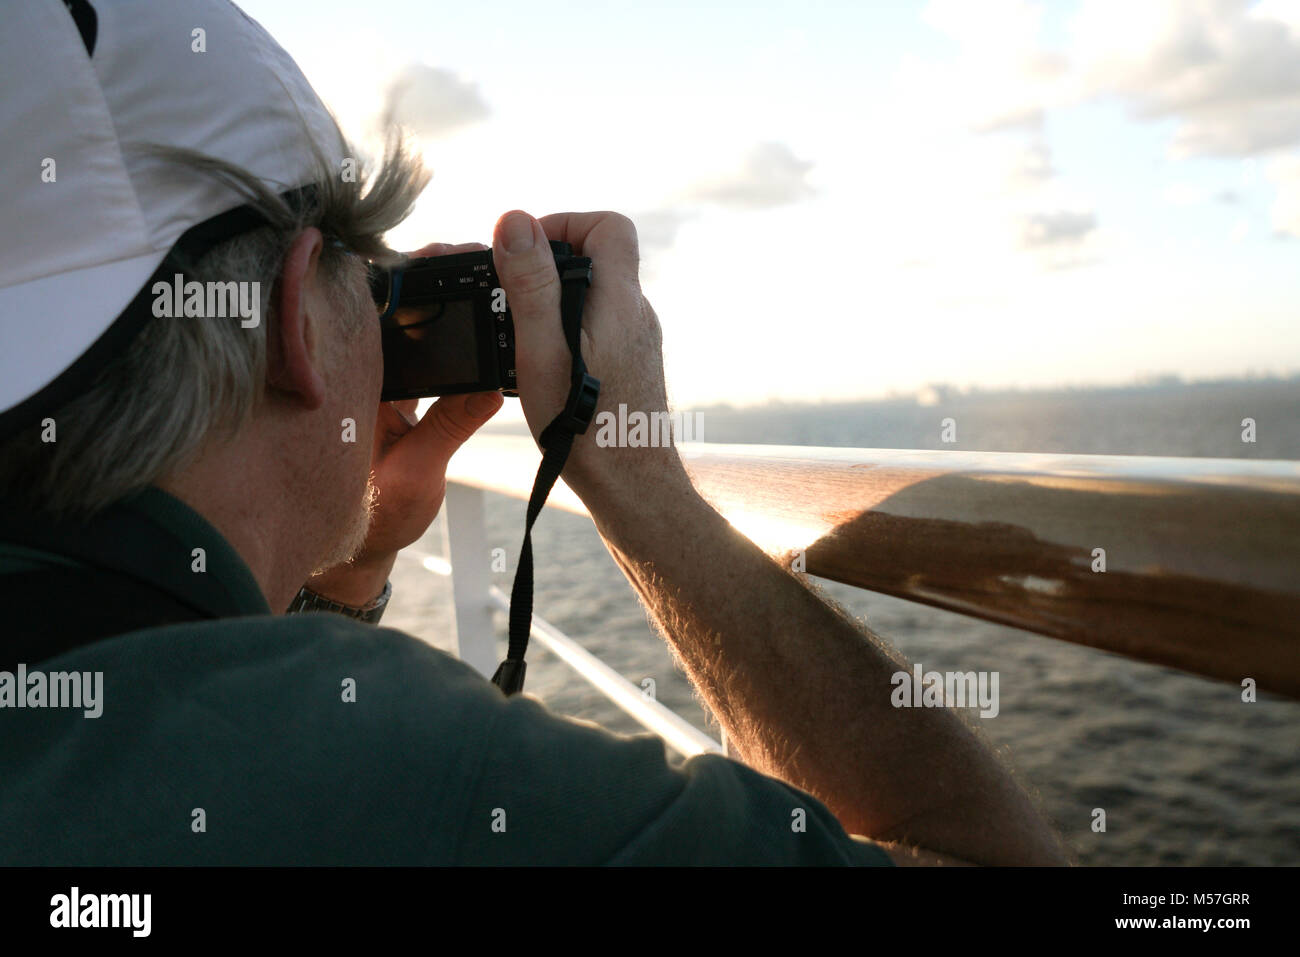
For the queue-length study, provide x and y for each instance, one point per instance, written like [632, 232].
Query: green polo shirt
[242, 737]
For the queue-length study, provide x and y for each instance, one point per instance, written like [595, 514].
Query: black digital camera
[446, 325]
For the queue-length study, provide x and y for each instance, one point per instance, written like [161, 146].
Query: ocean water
[1186, 772]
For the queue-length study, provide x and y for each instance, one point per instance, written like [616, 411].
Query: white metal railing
[476, 599]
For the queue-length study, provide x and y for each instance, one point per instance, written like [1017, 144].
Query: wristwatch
[372, 611]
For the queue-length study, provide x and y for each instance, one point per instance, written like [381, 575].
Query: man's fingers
[451, 420]
[609, 237]
[526, 267]
[395, 419]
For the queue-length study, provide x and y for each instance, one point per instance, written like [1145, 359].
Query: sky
[841, 200]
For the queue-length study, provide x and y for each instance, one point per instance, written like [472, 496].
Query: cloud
[1056, 228]
[431, 102]
[770, 175]
[1225, 71]
[1224, 75]
[1227, 74]
[1239, 131]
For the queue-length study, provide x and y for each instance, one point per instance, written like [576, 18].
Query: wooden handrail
[1202, 556]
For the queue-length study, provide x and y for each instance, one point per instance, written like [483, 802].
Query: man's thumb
[453, 419]
[526, 267]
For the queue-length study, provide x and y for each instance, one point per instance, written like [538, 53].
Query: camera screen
[428, 346]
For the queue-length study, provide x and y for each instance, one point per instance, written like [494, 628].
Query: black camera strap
[556, 440]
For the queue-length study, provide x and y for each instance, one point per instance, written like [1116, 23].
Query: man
[171, 480]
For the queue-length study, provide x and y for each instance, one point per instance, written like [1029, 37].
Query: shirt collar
[153, 537]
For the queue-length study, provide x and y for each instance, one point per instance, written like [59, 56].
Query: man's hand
[409, 472]
[621, 344]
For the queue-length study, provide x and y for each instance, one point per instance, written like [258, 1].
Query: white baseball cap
[85, 218]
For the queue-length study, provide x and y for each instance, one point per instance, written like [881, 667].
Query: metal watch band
[308, 600]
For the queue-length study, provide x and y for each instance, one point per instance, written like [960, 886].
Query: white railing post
[465, 544]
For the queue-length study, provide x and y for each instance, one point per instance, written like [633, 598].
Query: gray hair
[179, 384]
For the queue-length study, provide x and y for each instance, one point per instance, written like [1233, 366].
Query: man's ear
[293, 341]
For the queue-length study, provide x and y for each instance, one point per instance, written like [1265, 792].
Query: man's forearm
[804, 694]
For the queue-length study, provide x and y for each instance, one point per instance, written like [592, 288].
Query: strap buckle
[582, 404]
[509, 676]
[581, 269]
[579, 410]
